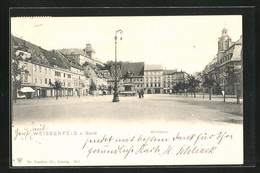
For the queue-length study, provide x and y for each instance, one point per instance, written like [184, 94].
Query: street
[151, 108]
[60, 130]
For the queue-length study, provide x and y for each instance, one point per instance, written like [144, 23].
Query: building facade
[41, 68]
[130, 78]
[172, 77]
[153, 79]
[226, 66]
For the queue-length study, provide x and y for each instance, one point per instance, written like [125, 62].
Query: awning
[26, 90]
[128, 84]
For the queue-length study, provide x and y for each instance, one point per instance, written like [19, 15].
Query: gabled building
[37, 71]
[130, 77]
[42, 67]
[82, 56]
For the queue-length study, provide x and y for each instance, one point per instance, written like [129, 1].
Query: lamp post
[116, 98]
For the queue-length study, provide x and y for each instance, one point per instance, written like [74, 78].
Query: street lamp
[116, 98]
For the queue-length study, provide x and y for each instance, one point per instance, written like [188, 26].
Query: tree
[16, 72]
[233, 78]
[92, 86]
[57, 85]
[208, 82]
[216, 77]
[176, 87]
[193, 84]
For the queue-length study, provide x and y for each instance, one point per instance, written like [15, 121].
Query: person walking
[142, 93]
[139, 93]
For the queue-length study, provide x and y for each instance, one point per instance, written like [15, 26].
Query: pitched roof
[36, 52]
[76, 51]
[73, 51]
[69, 60]
[168, 72]
[55, 59]
[237, 53]
[137, 68]
[153, 67]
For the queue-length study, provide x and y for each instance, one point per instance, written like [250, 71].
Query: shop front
[25, 92]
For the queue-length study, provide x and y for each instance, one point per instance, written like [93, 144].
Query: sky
[185, 43]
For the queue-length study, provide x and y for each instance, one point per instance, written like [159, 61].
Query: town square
[107, 92]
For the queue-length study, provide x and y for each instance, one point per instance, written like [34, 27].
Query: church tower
[224, 42]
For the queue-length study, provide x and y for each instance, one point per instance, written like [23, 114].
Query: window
[46, 80]
[35, 79]
[137, 85]
[40, 80]
[151, 85]
[35, 67]
[45, 70]
[49, 80]
[141, 80]
[57, 73]
[69, 76]
[64, 75]
[159, 85]
[155, 85]
[147, 85]
[40, 68]
[69, 84]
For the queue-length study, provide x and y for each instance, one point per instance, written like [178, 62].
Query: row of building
[229, 58]
[78, 69]
[151, 78]
[40, 67]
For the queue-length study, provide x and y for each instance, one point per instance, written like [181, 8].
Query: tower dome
[224, 41]
[224, 31]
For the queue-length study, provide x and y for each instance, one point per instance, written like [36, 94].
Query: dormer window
[53, 58]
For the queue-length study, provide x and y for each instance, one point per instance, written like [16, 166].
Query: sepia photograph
[126, 90]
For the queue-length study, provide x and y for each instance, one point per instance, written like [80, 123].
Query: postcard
[126, 90]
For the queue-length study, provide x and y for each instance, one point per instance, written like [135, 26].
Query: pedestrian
[139, 94]
[142, 93]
